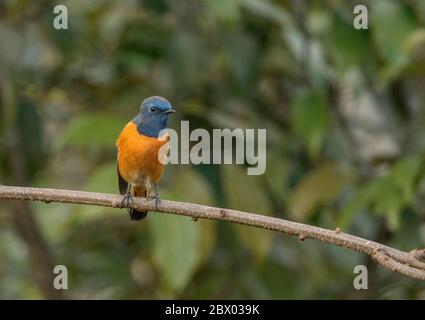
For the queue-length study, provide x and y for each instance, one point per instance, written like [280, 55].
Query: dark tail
[136, 215]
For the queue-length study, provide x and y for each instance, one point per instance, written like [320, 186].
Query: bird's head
[153, 116]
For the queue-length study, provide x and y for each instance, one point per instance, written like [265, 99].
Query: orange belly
[138, 161]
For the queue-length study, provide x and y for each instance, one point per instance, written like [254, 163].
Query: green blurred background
[344, 113]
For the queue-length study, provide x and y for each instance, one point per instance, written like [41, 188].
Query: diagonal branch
[408, 263]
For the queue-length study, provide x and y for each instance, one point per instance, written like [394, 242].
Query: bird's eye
[152, 109]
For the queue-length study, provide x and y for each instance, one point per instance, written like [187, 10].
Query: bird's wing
[122, 184]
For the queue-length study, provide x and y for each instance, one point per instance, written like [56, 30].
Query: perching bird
[138, 145]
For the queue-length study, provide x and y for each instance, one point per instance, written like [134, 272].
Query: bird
[138, 165]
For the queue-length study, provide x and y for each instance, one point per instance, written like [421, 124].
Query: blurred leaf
[176, 244]
[358, 201]
[404, 173]
[244, 193]
[226, 11]
[414, 40]
[387, 195]
[348, 47]
[309, 116]
[179, 244]
[386, 200]
[190, 186]
[241, 58]
[102, 179]
[389, 36]
[91, 130]
[158, 6]
[11, 53]
[269, 10]
[190, 60]
[277, 175]
[31, 148]
[318, 187]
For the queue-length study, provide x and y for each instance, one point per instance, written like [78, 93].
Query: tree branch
[408, 263]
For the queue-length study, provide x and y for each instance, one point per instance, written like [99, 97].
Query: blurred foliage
[344, 113]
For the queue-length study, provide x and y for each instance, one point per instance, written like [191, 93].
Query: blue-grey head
[153, 116]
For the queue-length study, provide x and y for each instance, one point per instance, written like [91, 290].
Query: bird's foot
[127, 201]
[157, 200]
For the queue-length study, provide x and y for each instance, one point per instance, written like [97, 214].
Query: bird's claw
[127, 201]
[157, 200]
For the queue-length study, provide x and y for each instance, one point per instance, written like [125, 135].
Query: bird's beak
[170, 111]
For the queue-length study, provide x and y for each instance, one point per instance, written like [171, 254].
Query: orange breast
[138, 157]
